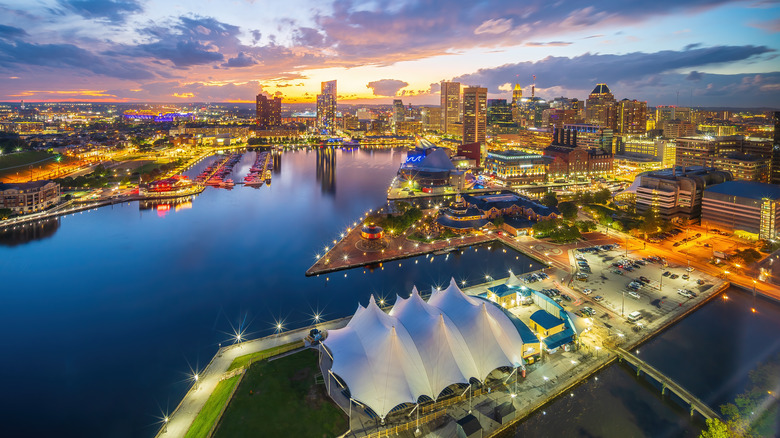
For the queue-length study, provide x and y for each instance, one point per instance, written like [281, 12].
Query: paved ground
[181, 419]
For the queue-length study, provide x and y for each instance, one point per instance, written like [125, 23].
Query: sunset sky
[704, 52]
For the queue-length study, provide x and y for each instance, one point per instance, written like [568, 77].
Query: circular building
[372, 232]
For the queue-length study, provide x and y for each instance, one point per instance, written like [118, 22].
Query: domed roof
[601, 89]
[371, 229]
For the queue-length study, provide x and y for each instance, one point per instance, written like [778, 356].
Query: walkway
[184, 414]
[667, 383]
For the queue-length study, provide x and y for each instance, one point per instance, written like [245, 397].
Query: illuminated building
[717, 130]
[660, 150]
[678, 128]
[517, 96]
[601, 107]
[531, 138]
[667, 113]
[474, 115]
[268, 111]
[744, 167]
[399, 112]
[450, 105]
[676, 193]
[774, 176]
[585, 136]
[702, 150]
[515, 168]
[557, 118]
[431, 118]
[750, 207]
[574, 163]
[499, 113]
[326, 107]
[29, 197]
[631, 117]
[530, 111]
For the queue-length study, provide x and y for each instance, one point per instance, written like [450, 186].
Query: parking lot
[624, 284]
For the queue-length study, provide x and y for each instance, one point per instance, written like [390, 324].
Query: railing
[395, 430]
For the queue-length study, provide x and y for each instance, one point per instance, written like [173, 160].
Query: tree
[585, 226]
[617, 225]
[568, 210]
[5, 213]
[550, 199]
[498, 221]
[602, 196]
[716, 429]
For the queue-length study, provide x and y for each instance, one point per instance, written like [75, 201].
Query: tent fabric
[421, 348]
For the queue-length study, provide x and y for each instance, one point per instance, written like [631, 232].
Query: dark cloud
[581, 72]
[193, 92]
[10, 32]
[391, 31]
[386, 87]
[69, 56]
[114, 11]
[694, 76]
[241, 60]
[309, 37]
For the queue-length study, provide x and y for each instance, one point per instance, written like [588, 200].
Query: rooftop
[746, 189]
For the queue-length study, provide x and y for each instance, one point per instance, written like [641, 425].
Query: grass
[242, 361]
[280, 398]
[207, 416]
[22, 158]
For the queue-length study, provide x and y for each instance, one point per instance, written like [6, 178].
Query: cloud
[386, 87]
[69, 56]
[194, 91]
[769, 26]
[593, 68]
[548, 44]
[10, 32]
[494, 26]
[113, 11]
[242, 60]
[694, 76]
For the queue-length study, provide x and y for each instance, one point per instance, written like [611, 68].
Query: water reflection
[30, 231]
[164, 206]
[277, 157]
[326, 169]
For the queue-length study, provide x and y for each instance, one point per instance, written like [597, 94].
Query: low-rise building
[745, 167]
[676, 193]
[571, 163]
[29, 197]
[750, 207]
[515, 168]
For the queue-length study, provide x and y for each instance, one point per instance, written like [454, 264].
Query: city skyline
[701, 53]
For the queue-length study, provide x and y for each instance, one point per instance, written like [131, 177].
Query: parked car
[686, 276]
[644, 279]
[674, 276]
[633, 294]
[598, 298]
[666, 273]
[587, 291]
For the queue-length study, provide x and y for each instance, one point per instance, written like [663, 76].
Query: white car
[633, 294]
[587, 291]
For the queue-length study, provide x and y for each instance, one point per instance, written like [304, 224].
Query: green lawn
[209, 414]
[242, 361]
[279, 398]
[22, 158]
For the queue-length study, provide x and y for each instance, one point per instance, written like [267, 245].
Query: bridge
[693, 402]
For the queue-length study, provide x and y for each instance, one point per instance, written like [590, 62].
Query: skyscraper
[269, 111]
[450, 105]
[774, 176]
[499, 113]
[601, 107]
[326, 107]
[517, 94]
[631, 117]
[475, 116]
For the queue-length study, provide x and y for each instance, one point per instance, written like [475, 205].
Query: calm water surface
[106, 312]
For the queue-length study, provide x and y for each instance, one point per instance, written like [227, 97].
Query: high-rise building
[702, 151]
[268, 111]
[450, 105]
[499, 113]
[601, 107]
[431, 118]
[326, 107]
[399, 112]
[474, 114]
[631, 117]
[774, 177]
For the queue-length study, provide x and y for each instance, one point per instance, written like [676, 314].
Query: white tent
[421, 348]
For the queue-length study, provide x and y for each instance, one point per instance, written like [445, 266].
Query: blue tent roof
[503, 290]
[558, 339]
[545, 320]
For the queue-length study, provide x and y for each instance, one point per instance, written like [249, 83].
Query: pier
[696, 405]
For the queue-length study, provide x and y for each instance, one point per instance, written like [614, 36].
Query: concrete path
[181, 419]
